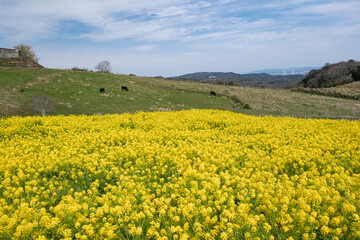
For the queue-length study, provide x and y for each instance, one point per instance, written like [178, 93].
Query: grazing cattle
[123, 88]
[102, 90]
[212, 93]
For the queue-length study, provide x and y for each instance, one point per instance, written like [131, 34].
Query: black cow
[102, 90]
[123, 88]
[212, 93]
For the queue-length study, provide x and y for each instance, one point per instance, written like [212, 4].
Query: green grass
[77, 92]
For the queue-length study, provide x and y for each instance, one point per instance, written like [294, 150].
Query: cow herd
[123, 88]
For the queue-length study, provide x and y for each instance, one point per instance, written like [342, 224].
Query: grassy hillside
[350, 91]
[76, 92]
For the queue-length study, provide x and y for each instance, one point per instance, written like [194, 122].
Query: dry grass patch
[349, 91]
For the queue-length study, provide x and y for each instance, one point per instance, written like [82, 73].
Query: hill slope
[349, 91]
[332, 75]
[76, 92]
[17, 62]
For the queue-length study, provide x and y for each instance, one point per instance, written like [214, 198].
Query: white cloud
[331, 8]
[157, 20]
[226, 1]
[144, 48]
[238, 33]
[39, 18]
[171, 11]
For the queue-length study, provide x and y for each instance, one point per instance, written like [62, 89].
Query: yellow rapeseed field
[198, 174]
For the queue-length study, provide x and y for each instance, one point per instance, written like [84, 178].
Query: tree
[42, 104]
[26, 53]
[103, 66]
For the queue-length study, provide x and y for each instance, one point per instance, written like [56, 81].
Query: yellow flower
[205, 174]
[267, 227]
[41, 238]
[338, 231]
[324, 220]
[223, 236]
[325, 230]
[138, 231]
[349, 208]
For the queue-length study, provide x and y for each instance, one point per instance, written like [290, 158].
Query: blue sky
[169, 38]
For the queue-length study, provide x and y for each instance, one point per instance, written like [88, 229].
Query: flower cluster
[198, 174]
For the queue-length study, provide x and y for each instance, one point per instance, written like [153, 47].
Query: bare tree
[42, 104]
[26, 53]
[103, 66]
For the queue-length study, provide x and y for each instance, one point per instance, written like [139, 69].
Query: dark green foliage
[332, 75]
[80, 69]
[355, 73]
[247, 106]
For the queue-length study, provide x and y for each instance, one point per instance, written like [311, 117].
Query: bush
[80, 69]
[355, 73]
[247, 106]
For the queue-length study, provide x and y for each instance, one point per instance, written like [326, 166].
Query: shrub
[247, 106]
[80, 69]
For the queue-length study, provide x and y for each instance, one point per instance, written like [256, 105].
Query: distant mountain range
[252, 79]
[287, 71]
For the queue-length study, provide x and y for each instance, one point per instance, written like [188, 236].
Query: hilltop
[17, 62]
[77, 92]
[337, 80]
[251, 79]
[20, 56]
[332, 75]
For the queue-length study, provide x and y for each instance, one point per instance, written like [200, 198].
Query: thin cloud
[171, 11]
[331, 8]
[144, 48]
[167, 28]
[163, 22]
